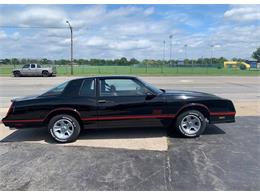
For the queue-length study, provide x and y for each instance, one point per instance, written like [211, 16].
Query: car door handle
[102, 101]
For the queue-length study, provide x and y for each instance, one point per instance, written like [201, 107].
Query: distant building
[252, 62]
[180, 62]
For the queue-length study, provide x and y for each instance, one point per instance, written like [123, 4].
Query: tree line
[124, 61]
[106, 62]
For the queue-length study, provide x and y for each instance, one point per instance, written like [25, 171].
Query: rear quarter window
[72, 88]
[56, 90]
[88, 88]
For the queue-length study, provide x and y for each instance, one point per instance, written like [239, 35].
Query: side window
[26, 66]
[32, 65]
[88, 88]
[38, 66]
[57, 90]
[121, 87]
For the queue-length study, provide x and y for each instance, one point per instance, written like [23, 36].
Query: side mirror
[149, 96]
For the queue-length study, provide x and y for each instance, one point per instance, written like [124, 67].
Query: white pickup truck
[34, 70]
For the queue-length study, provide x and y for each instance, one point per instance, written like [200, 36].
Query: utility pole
[212, 46]
[185, 53]
[185, 50]
[164, 42]
[170, 37]
[71, 48]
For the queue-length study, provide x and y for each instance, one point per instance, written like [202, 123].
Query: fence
[141, 69]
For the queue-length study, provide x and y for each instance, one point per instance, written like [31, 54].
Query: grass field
[128, 70]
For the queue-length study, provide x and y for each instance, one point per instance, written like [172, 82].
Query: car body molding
[160, 116]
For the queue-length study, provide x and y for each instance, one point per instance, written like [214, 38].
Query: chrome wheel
[63, 128]
[190, 124]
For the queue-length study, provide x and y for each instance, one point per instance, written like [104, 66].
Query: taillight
[10, 110]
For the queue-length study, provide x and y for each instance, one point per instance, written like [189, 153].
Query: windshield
[56, 90]
[153, 88]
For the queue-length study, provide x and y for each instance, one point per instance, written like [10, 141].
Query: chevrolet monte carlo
[117, 101]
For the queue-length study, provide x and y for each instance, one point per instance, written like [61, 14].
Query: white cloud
[15, 36]
[33, 16]
[130, 31]
[2, 35]
[95, 41]
[133, 44]
[243, 13]
[149, 11]
[42, 17]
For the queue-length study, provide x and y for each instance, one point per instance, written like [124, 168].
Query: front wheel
[191, 123]
[64, 128]
[17, 74]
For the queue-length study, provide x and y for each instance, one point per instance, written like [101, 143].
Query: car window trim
[133, 79]
[82, 86]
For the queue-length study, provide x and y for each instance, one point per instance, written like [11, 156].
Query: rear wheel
[191, 123]
[64, 128]
[45, 73]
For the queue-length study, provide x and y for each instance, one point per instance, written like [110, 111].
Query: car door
[25, 70]
[85, 101]
[33, 70]
[125, 102]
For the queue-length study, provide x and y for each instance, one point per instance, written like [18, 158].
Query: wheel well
[68, 112]
[201, 109]
[45, 71]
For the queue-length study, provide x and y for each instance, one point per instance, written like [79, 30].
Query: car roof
[108, 77]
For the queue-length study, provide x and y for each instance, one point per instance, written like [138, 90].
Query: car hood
[190, 94]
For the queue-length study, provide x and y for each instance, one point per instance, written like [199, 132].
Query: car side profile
[117, 101]
[34, 70]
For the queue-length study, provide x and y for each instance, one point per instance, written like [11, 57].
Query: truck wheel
[45, 73]
[64, 128]
[17, 74]
[191, 123]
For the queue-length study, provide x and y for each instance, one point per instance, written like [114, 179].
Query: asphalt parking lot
[225, 157]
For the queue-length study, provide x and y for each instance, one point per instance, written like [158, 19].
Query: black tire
[17, 74]
[195, 115]
[73, 121]
[45, 73]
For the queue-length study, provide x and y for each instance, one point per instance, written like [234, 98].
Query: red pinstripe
[161, 116]
[23, 121]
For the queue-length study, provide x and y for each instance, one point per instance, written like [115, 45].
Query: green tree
[134, 61]
[14, 61]
[256, 54]
[45, 61]
[6, 61]
[123, 61]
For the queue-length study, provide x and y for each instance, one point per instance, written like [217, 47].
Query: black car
[117, 101]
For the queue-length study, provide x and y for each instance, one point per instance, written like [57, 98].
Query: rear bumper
[22, 123]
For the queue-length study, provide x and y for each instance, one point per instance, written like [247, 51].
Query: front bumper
[222, 118]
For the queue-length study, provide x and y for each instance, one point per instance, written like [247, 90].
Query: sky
[132, 31]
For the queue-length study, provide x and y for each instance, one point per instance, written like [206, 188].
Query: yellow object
[235, 64]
